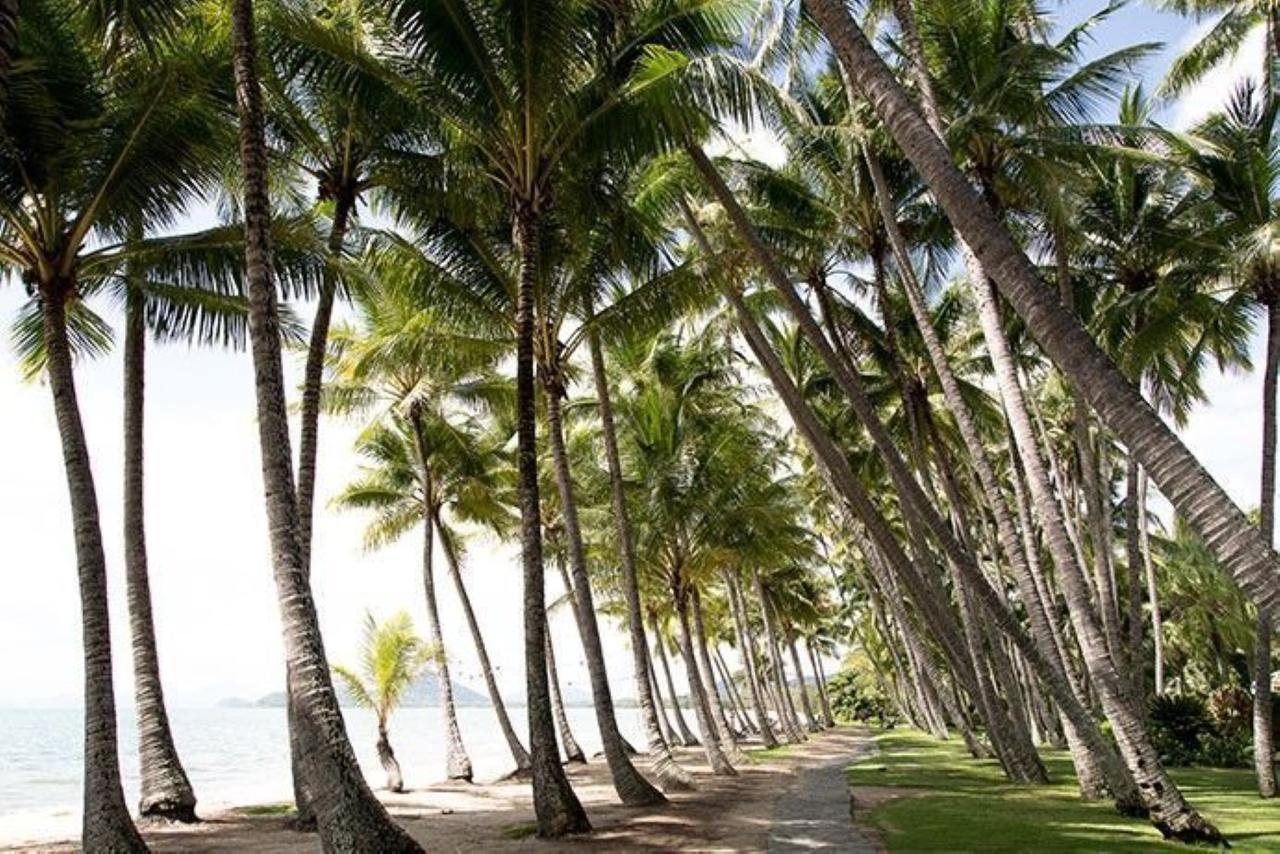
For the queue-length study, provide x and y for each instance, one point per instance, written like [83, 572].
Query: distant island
[424, 692]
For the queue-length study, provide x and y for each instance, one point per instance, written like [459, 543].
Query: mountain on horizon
[425, 691]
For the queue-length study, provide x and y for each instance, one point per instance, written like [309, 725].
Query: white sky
[213, 596]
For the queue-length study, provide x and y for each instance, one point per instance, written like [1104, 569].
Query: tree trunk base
[168, 811]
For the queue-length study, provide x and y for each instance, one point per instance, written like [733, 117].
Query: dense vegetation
[908, 392]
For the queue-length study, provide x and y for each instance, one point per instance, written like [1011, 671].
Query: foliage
[391, 657]
[855, 694]
[1179, 724]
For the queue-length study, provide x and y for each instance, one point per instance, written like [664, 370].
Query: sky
[214, 600]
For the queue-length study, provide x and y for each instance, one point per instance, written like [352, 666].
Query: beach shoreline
[722, 814]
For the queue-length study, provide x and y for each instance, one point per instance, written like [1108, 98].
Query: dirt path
[816, 813]
[724, 814]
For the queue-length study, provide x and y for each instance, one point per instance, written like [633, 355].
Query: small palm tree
[391, 658]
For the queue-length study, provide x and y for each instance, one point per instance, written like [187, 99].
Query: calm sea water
[234, 756]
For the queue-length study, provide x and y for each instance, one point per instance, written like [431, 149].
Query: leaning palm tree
[347, 814]
[391, 657]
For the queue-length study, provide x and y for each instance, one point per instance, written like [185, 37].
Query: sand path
[798, 799]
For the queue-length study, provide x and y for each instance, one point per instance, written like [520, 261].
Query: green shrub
[1226, 750]
[1179, 724]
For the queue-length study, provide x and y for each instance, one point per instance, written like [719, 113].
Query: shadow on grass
[971, 807]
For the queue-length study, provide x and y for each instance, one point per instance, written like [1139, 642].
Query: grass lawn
[970, 806]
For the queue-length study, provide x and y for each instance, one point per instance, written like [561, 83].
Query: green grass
[267, 809]
[970, 807]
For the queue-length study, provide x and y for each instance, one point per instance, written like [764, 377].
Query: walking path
[815, 814]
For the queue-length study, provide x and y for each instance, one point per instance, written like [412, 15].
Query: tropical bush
[1179, 725]
[855, 696]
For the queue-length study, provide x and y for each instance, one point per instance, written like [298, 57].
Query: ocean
[235, 756]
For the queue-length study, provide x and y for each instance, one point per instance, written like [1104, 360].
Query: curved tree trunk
[309, 443]
[631, 786]
[738, 609]
[1133, 577]
[720, 765]
[572, 751]
[1153, 595]
[107, 825]
[686, 735]
[387, 758]
[815, 660]
[836, 471]
[805, 704]
[457, 764]
[349, 817]
[1263, 749]
[668, 732]
[1239, 546]
[670, 776]
[518, 754]
[557, 807]
[714, 702]
[739, 707]
[165, 790]
[1088, 768]
[785, 709]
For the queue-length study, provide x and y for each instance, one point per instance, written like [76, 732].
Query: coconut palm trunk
[572, 751]
[1089, 769]
[556, 806]
[1263, 748]
[720, 765]
[668, 732]
[1133, 579]
[1239, 546]
[387, 758]
[785, 710]
[166, 792]
[815, 660]
[835, 469]
[309, 444]
[738, 609]
[1153, 595]
[714, 701]
[518, 754]
[670, 776]
[107, 825]
[457, 764]
[349, 817]
[631, 786]
[687, 738]
[735, 696]
[810, 719]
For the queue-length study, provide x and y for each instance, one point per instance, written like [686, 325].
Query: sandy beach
[723, 814]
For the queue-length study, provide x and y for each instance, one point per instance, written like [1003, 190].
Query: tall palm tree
[391, 657]
[91, 120]
[1235, 157]
[1173, 468]
[347, 814]
[539, 92]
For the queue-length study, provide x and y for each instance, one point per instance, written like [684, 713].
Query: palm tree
[538, 93]
[391, 657]
[75, 197]
[1176, 471]
[347, 813]
[1235, 157]
[1222, 41]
